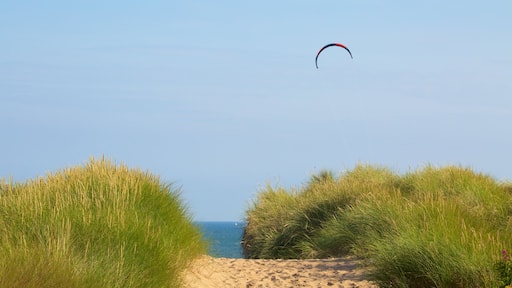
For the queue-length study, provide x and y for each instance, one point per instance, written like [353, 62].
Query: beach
[210, 272]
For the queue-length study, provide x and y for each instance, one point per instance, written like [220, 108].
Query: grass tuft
[97, 225]
[434, 227]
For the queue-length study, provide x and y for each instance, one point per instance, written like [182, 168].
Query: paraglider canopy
[329, 45]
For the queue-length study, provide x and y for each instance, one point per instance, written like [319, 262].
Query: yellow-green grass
[434, 227]
[96, 225]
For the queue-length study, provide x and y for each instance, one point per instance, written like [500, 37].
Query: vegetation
[97, 225]
[435, 227]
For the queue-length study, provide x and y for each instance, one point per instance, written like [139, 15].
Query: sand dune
[209, 272]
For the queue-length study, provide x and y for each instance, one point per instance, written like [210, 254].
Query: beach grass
[433, 227]
[96, 225]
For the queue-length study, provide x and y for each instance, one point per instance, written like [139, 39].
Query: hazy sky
[223, 97]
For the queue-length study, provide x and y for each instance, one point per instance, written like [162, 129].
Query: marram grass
[434, 227]
[97, 225]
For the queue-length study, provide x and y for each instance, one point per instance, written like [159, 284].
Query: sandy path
[208, 272]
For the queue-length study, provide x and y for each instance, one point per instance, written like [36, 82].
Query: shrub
[504, 270]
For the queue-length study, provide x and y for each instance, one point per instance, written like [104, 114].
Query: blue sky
[223, 97]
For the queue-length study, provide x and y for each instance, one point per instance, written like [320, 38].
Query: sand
[209, 272]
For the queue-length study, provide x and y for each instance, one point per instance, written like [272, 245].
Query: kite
[329, 45]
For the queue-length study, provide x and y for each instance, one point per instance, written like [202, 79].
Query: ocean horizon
[224, 237]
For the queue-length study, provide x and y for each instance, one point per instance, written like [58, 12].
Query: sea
[224, 238]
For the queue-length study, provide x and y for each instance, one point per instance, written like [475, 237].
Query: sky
[222, 98]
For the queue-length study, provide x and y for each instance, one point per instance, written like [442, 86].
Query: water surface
[224, 238]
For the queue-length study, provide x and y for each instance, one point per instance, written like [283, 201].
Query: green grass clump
[97, 225]
[435, 227]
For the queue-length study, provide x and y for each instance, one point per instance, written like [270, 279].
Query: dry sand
[209, 272]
